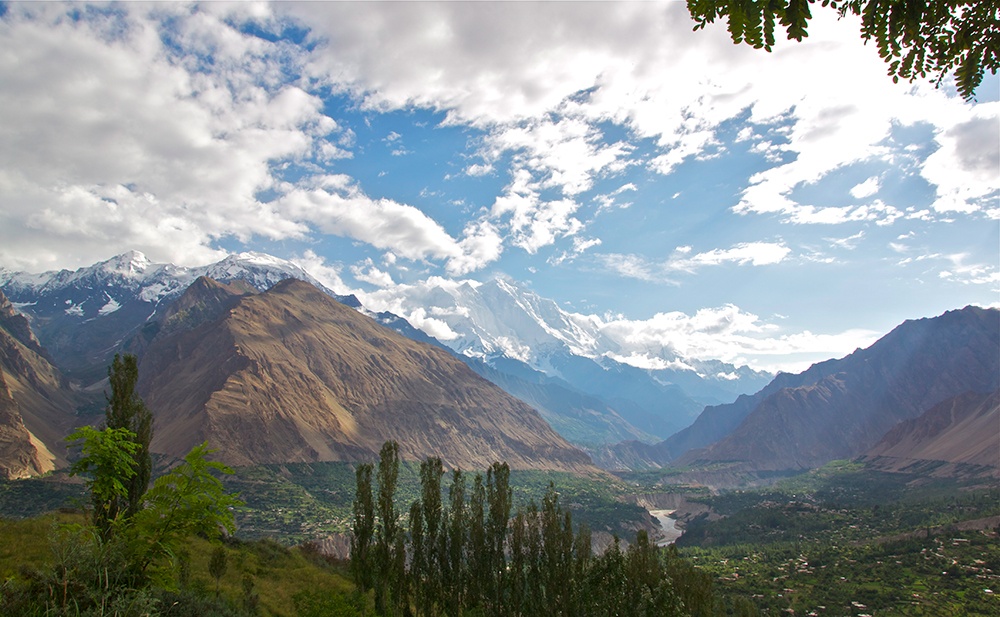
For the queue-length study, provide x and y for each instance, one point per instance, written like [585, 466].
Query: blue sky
[770, 209]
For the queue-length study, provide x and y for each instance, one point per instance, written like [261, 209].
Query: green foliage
[126, 410]
[389, 559]
[108, 458]
[472, 559]
[187, 501]
[217, 566]
[362, 562]
[895, 544]
[937, 37]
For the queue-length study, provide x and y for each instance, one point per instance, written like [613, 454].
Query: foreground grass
[261, 577]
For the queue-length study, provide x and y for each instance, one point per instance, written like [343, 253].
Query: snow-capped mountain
[83, 316]
[498, 321]
[499, 318]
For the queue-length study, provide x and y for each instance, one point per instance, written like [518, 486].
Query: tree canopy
[916, 38]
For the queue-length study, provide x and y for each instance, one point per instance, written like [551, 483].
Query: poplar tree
[431, 471]
[126, 410]
[418, 555]
[364, 528]
[456, 575]
[478, 567]
[387, 529]
[499, 495]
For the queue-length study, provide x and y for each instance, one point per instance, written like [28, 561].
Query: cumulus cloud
[965, 168]
[135, 141]
[730, 334]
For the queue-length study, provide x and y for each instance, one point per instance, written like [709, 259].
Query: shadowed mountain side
[914, 367]
[36, 405]
[713, 424]
[291, 375]
[582, 419]
[963, 432]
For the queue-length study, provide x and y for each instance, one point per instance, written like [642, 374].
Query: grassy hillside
[261, 577]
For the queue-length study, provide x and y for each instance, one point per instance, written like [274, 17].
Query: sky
[770, 209]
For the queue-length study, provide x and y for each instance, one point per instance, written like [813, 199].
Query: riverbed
[668, 527]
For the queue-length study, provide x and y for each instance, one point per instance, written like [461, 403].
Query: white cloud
[323, 272]
[742, 254]
[366, 272]
[727, 333]
[746, 253]
[966, 168]
[534, 222]
[849, 243]
[867, 188]
[386, 224]
[138, 144]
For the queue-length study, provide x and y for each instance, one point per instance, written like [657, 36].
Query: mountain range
[271, 366]
[957, 437]
[838, 409]
[291, 375]
[554, 360]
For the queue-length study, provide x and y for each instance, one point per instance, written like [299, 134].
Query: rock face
[291, 375]
[36, 406]
[83, 316]
[846, 412]
[959, 436]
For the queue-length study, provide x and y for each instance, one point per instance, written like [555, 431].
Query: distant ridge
[838, 408]
[916, 366]
[291, 375]
[959, 436]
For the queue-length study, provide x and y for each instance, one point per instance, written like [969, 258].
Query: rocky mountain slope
[959, 436]
[291, 375]
[36, 405]
[842, 415]
[83, 317]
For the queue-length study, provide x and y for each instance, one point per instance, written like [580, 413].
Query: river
[668, 525]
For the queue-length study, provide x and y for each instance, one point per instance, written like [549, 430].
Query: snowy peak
[499, 318]
[260, 270]
[132, 264]
[84, 316]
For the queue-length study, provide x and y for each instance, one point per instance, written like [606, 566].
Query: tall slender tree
[431, 471]
[456, 574]
[387, 529]
[418, 556]
[499, 497]
[364, 528]
[127, 410]
[478, 568]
